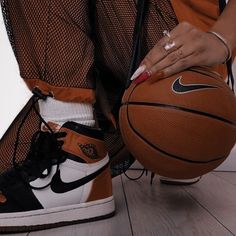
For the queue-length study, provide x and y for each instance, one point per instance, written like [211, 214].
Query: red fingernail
[157, 76]
[143, 77]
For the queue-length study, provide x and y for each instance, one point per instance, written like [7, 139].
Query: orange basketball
[180, 127]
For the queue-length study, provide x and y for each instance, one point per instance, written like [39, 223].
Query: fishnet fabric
[7, 22]
[7, 142]
[115, 24]
[52, 42]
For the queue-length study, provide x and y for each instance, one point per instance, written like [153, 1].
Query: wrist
[224, 42]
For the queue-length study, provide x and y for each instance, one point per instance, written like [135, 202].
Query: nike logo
[58, 186]
[179, 87]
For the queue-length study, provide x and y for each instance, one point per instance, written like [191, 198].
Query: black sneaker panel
[20, 197]
[9, 206]
[84, 130]
[72, 157]
[8, 178]
[18, 193]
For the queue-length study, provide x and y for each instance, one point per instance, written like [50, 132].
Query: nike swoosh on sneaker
[179, 87]
[58, 186]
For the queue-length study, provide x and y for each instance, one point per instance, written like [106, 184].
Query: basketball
[180, 127]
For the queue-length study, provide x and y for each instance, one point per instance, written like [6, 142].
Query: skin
[193, 47]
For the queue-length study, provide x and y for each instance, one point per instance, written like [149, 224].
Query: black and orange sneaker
[64, 179]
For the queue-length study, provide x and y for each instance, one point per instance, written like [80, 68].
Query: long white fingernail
[138, 72]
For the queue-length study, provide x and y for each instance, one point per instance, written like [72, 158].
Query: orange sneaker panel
[74, 147]
[102, 187]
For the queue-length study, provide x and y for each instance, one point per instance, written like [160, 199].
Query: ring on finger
[169, 45]
[166, 33]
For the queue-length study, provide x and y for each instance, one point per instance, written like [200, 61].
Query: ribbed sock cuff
[60, 112]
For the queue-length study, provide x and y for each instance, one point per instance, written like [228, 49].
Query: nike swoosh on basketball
[179, 87]
[58, 186]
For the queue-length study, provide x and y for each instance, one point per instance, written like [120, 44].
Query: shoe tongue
[73, 125]
[55, 127]
[76, 127]
[84, 129]
[69, 125]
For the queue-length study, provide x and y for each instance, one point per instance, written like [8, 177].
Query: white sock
[60, 112]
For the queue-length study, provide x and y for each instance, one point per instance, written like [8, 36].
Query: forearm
[225, 25]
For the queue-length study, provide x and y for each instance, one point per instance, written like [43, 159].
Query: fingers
[186, 46]
[178, 60]
[159, 51]
[176, 67]
[175, 56]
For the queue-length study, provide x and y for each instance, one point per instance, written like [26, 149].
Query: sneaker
[172, 181]
[64, 179]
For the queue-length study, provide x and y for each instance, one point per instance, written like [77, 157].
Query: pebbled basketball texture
[180, 127]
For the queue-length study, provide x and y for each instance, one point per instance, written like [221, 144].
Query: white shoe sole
[172, 181]
[59, 216]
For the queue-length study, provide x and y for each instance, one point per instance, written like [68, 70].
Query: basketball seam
[166, 153]
[201, 113]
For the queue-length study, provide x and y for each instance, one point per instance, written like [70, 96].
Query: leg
[67, 165]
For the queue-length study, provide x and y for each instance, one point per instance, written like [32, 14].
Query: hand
[189, 47]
